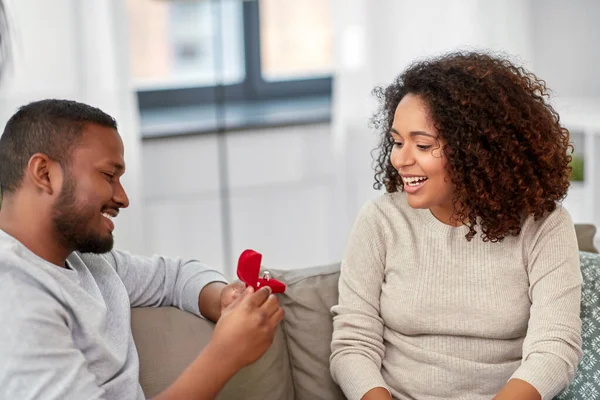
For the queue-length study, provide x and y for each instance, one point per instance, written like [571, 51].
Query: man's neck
[33, 228]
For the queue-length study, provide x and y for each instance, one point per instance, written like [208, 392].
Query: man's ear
[44, 173]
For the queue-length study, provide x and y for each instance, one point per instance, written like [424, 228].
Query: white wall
[566, 39]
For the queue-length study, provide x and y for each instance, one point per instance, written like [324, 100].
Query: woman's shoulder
[553, 226]
[558, 218]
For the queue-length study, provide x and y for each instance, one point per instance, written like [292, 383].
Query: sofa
[296, 366]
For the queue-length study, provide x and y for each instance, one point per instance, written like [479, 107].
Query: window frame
[252, 89]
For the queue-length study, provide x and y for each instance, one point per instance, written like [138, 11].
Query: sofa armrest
[168, 340]
[585, 237]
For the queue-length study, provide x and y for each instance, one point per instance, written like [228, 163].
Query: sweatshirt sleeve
[357, 343]
[552, 346]
[159, 281]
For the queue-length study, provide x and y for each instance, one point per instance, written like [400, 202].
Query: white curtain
[77, 50]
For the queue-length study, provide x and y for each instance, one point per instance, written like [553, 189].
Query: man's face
[91, 193]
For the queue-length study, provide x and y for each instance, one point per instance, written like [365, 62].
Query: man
[65, 295]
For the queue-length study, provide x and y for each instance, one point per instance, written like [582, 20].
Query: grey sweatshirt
[428, 315]
[66, 333]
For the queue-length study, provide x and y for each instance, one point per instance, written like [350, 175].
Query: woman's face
[418, 157]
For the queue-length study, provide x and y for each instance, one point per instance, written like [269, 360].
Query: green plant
[577, 168]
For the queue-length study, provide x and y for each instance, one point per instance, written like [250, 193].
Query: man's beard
[72, 223]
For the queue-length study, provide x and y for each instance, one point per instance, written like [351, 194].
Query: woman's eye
[423, 147]
[398, 144]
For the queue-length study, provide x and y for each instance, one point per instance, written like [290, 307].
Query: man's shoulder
[23, 294]
[21, 275]
[114, 259]
[26, 281]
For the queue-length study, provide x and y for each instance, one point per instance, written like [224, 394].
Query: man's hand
[247, 326]
[230, 293]
[217, 296]
[244, 332]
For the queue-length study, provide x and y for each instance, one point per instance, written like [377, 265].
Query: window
[295, 38]
[187, 53]
[174, 44]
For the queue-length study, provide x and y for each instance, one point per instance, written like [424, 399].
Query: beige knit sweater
[428, 315]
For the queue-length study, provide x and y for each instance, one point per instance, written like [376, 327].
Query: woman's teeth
[414, 181]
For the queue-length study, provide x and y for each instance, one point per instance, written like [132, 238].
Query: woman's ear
[44, 173]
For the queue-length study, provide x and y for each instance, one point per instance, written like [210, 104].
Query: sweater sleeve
[357, 343]
[552, 346]
[159, 281]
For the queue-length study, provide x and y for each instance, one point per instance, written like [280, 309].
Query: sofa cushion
[585, 237]
[168, 340]
[586, 384]
[308, 327]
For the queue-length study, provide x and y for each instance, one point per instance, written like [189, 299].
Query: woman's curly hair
[506, 152]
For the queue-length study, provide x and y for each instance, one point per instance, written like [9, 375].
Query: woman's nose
[402, 157]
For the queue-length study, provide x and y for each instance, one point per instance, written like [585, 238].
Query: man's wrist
[209, 300]
[226, 362]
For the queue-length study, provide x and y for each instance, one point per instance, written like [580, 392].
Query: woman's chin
[417, 203]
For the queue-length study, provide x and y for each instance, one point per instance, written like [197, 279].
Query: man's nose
[120, 197]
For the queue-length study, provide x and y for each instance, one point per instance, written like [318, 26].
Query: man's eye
[107, 175]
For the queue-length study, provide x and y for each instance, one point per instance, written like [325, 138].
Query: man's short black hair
[51, 127]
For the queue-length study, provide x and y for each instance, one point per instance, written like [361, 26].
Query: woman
[463, 280]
